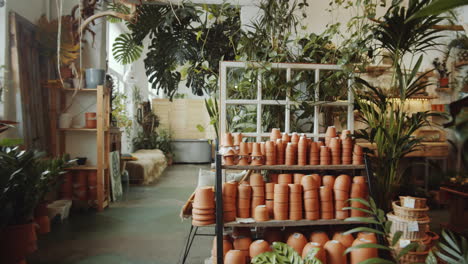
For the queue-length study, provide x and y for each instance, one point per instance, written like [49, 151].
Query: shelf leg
[219, 210]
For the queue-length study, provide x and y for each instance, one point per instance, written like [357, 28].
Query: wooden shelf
[80, 90]
[296, 167]
[79, 129]
[281, 223]
[460, 64]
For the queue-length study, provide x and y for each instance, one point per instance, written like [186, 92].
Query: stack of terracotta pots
[329, 134]
[258, 190]
[341, 189]
[311, 197]
[229, 201]
[335, 149]
[227, 245]
[280, 151]
[243, 202]
[281, 202]
[358, 158]
[410, 216]
[257, 155]
[291, 152]
[295, 202]
[242, 244]
[203, 212]
[228, 150]
[314, 154]
[269, 195]
[347, 148]
[302, 147]
[326, 203]
[325, 155]
[243, 156]
[270, 153]
[358, 190]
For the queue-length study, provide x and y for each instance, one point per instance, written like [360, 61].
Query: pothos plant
[283, 254]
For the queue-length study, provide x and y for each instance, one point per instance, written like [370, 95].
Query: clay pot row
[80, 185]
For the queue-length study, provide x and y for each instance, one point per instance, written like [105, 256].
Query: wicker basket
[409, 213]
[419, 203]
[400, 224]
[414, 257]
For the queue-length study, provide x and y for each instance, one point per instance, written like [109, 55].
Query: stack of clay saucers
[203, 212]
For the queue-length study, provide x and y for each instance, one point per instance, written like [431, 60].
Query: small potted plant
[441, 68]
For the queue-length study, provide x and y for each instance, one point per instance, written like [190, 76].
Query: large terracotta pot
[258, 247]
[320, 254]
[16, 242]
[319, 237]
[297, 241]
[346, 240]
[235, 257]
[335, 252]
[361, 254]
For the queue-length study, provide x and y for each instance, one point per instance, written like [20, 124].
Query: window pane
[274, 85]
[304, 86]
[333, 86]
[241, 118]
[241, 83]
[333, 116]
[273, 116]
[302, 118]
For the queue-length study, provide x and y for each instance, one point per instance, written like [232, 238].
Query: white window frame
[224, 101]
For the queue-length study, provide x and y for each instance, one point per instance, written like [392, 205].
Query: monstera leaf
[125, 49]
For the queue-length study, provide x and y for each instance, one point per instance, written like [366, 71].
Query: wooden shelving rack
[101, 132]
[220, 225]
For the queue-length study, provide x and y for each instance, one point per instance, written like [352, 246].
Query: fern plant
[284, 254]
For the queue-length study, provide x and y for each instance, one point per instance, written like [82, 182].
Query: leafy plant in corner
[441, 67]
[284, 254]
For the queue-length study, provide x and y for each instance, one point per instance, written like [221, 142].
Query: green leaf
[396, 237]
[362, 219]
[437, 7]
[376, 261]
[411, 247]
[368, 245]
[364, 229]
[125, 49]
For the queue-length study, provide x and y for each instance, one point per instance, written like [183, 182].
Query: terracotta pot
[314, 215]
[290, 158]
[295, 215]
[345, 240]
[230, 189]
[295, 206]
[243, 149]
[297, 178]
[17, 242]
[262, 148]
[281, 189]
[309, 183]
[202, 218]
[361, 254]
[235, 257]
[335, 252]
[244, 191]
[326, 194]
[319, 237]
[257, 160]
[359, 179]
[204, 198]
[258, 247]
[227, 140]
[342, 183]
[317, 178]
[239, 232]
[256, 150]
[280, 152]
[341, 215]
[367, 236]
[273, 235]
[258, 191]
[244, 161]
[43, 223]
[242, 243]
[237, 138]
[326, 206]
[90, 120]
[273, 178]
[250, 147]
[294, 138]
[286, 138]
[331, 131]
[229, 216]
[311, 194]
[340, 204]
[202, 223]
[227, 245]
[341, 195]
[281, 197]
[269, 205]
[302, 151]
[229, 206]
[295, 197]
[328, 181]
[270, 155]
[203, 211]
[345, 134]
[297, 241]
[285, 178]
[327, 215]
[275, 134]
[261, 213]
[243, 203]
[256, 179]
[280, 211]
[256, 201]
[320, 255]
[295, 188]
[311, 205]
[269, 187]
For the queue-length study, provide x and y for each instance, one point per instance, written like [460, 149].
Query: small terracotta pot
[285, 178]
[311, 205]
[243, 149]
[237, 138]
[204, 198]
[326, 194]
[308, 183]
[270, 155]
[273, 235]
[320, 254]
[342, 183]
[280, 152]
[235, 257]
[361, 254]
[275, 134]
[244, 191]
[281, 189]
[297, 241]
[256, 150]
[244, 161]
[243, 203]
[328, 181]
[229, 158]
[261, 213]
[227, 140]
[230, 189]
[297, 178]
[281, 197]
[314, 215]
[312, 194]
[258, 191]
[291, 152]
[345, 240]
[335, 252]
[258, 247]
[256, 179]
[90, 120]
[331, 131]
[286, 138]
[319, 237]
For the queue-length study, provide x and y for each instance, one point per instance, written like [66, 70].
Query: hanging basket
[409, 213]
[410, 231]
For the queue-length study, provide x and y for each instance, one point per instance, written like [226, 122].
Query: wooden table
[458, 221]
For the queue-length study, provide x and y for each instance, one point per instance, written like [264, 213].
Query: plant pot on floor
[16, 242]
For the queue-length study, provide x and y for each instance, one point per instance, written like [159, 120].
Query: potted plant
[441, 68]
[461, 44]
[164, 144]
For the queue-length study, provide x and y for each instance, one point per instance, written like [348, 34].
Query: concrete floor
[144, 229]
